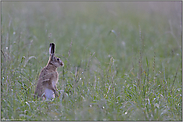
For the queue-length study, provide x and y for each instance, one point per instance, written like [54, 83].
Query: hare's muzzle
[62, 64]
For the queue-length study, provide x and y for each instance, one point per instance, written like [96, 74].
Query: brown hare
[46, 86]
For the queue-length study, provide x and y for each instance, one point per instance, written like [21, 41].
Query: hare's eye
[57, 59]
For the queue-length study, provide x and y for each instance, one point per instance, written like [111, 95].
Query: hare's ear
[52, 49]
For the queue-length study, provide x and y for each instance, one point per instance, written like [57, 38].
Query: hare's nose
[62, 64]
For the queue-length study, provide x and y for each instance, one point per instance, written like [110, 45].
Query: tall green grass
[122, 60]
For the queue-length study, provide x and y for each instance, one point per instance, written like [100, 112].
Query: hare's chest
[54, 79]
[49, 93]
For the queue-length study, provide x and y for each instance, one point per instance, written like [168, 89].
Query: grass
[122, 60]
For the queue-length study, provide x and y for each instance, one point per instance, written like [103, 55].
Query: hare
[46, 86]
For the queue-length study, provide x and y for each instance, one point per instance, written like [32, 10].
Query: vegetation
[122, 60]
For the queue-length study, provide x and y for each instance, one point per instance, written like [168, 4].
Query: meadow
[122, 60]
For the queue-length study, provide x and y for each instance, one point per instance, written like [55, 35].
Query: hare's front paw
[56, 94]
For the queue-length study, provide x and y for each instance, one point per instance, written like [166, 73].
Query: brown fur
[49, 75]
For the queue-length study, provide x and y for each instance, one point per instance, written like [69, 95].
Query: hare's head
[53, 59]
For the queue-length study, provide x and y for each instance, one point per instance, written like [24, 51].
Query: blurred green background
[122, 60]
